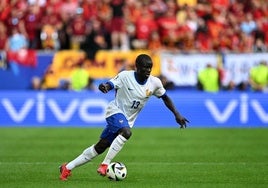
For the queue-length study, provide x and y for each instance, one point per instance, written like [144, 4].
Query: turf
[155, 157]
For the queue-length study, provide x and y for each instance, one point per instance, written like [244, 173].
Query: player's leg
[119, 133]
[117, 144]
[87, 155]
[114, 149]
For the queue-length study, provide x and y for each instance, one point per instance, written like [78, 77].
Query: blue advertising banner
[63, 108]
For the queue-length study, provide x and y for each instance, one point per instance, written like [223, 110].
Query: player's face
[144, 70]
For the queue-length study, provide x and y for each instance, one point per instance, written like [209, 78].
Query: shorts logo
[121, 121]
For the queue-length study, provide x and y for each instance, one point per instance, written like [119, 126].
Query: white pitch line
[149, 163]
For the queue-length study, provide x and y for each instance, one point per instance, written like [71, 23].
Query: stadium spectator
[248, 24]
[191, 19]
[219, 5]
[104, 12]
[168, 27]
[154, 42]
[133, 9]
[145, 25]
[36, 83]
[55, 4]
[15, 20]
[215, 26]
[119, 36]
[63, 36]
[209, 79]
[39, 3]
[260, 33]
[227, 81]
[77, 29]
[3, 36]
[259, 46]
[90, 9]
[51, 25]
[203, 42]
[32, 21]
[97, 38]
[5, 9]
[68, 9]
[16, 41]
[158, 7]
[79, 77]
[49, 38]
[132, 12]
[246, 43]
[50, 16]
[258, 78]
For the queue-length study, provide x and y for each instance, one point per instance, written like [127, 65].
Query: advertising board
[87, 109]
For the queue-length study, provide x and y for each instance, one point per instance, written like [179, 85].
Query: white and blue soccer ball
[116, 171]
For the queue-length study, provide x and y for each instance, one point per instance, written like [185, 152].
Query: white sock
[114, 149]
[85, 157]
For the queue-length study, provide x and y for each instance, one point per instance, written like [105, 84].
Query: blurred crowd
[90, 25]
[206, 26]
[214, 79]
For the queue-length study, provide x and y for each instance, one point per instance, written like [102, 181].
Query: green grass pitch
[155, 157]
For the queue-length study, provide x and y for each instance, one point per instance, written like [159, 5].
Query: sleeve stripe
[111, 84]
[165, 94]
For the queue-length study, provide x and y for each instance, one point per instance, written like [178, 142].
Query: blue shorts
[114, 124]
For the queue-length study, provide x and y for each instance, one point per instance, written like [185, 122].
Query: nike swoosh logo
[129, 89]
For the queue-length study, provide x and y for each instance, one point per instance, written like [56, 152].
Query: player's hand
[103, 88]
[182, 121]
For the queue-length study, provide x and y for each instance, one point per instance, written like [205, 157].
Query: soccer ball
[116, 171]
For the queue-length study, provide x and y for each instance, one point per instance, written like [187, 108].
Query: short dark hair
[143, 58]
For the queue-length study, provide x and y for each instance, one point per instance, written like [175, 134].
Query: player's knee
[101, 146]
[126, 133]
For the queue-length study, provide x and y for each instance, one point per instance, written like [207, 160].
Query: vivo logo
[70, 109]
[41, 104]
[244, 104]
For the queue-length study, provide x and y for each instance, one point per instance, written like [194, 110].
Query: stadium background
[231, 35]
[22, 106]
[226, 142]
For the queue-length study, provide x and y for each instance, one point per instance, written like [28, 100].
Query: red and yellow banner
[106, 65]
[109, 63]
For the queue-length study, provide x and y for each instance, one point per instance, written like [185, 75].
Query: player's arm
[169, 104]
[106, 87]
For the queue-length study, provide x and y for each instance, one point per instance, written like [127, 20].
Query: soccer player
[133, 89]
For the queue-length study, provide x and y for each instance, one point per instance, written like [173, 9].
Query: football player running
[133, 89]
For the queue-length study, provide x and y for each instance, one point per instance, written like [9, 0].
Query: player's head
[144, 66]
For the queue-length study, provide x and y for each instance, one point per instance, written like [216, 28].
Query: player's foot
[64, 172]
[102, 169]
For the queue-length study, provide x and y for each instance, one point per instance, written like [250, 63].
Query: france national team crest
[148, 93]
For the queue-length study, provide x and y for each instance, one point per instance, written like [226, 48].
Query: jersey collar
[136, 78]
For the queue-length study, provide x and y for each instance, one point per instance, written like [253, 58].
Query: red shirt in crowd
[145, 25]
[32, 22]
